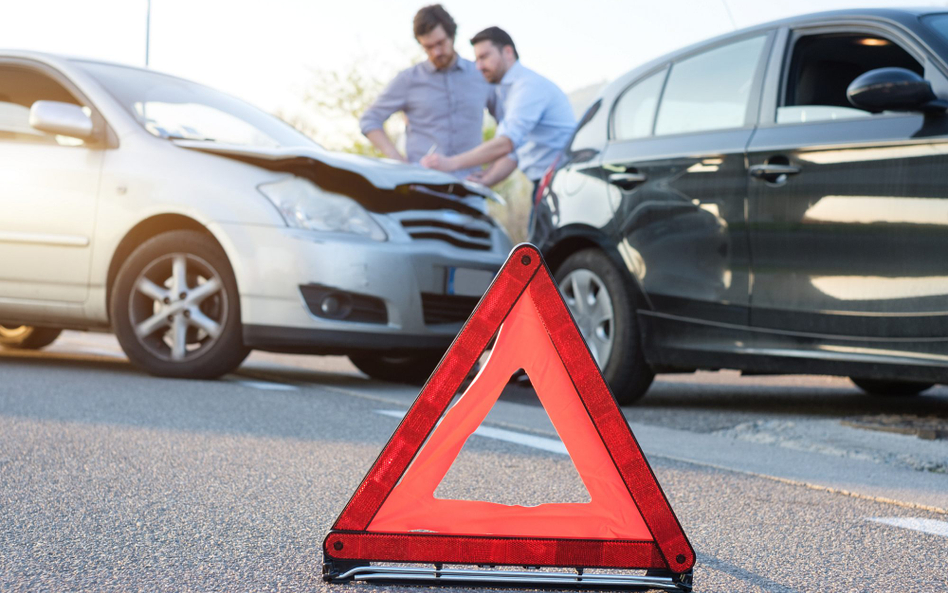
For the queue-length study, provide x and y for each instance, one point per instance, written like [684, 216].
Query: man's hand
[381, 141]
[487, 152]
[476, 177]
[439, 162]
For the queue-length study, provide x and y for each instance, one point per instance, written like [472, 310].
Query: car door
[48, 194]
[676, 172]
[848, 210]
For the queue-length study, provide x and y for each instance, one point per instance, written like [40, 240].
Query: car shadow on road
[715, 404]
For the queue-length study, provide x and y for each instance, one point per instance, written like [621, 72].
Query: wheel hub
[178, 307]
[591, 305]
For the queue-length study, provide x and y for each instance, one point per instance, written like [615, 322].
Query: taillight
[545, 181]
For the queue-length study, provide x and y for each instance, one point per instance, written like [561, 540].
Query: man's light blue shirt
[536, 116]
[445, 109]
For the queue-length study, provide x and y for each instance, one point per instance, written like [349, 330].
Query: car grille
[447, 308]
[472, 234]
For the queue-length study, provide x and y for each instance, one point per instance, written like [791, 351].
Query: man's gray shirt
[445, 108]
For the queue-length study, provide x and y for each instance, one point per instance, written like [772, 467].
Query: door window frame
[778, 70]
[102, 134]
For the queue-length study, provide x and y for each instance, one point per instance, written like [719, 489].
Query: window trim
[102, 134]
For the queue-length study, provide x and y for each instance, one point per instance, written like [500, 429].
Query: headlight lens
[305, 206]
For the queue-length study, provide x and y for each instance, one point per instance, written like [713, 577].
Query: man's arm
[522, 112]
[392, 99]
[497, 172]
[487, 152]
[380, 140]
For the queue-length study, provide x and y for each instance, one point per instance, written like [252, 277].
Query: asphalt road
[111, 480]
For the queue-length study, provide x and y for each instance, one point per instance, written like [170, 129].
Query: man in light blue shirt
[444, 97]
[535, 119]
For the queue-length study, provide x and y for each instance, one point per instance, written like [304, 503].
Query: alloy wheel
[177, 307]
[591, 305]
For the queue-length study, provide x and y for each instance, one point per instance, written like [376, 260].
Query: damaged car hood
[370, 181]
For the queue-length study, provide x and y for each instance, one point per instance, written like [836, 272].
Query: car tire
[176, 310]
[27, 337]
[411, 369]
[609, 318]
[891, 388]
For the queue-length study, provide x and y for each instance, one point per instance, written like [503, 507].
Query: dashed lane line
[500, 434]
[930, 526]
[265, 385]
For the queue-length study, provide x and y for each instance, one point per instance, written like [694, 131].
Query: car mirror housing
[893, 89]
[65, 119]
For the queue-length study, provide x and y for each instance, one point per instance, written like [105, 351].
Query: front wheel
[891, 388]
[27, 337]
[413, 369]
[604, 310]
[176, 310]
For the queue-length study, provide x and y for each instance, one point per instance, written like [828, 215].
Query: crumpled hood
[384, 174]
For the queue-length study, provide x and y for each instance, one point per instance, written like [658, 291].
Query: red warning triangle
[393, 515]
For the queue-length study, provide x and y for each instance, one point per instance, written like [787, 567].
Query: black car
[774, 200]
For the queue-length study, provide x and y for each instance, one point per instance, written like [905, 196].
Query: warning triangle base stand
[394, 517]
[662, 580]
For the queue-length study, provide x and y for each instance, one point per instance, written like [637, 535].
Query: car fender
[564, 241]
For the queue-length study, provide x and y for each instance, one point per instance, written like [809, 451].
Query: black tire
[891, 388]
[209, 356]
[27, 337]
[410, 369]
[626, 370]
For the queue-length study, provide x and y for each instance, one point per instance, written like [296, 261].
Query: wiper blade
[174, 137]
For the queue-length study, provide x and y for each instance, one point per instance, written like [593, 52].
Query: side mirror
[893, 89]
[64, 119]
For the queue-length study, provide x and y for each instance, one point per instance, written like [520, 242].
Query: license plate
[468, 282]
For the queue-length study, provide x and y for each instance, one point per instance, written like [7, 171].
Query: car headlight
[305, 206]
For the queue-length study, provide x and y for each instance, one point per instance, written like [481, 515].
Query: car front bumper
[273, 266]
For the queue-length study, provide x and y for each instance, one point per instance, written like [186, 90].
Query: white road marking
[529, 440]
[924, 525]
[266, 385]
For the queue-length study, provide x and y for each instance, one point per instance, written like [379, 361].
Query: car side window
[19, 89]
[634, 112]
[823, 66]
[712, 90]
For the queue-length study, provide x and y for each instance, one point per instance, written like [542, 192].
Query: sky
[266, 52]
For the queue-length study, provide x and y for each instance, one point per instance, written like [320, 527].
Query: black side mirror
[893, 89]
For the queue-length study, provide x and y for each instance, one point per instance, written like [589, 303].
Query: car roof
[903, 16]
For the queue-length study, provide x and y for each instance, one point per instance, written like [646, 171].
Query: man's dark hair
[498, 37]
[428, 18]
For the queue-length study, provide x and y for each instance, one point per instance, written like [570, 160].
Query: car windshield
[171, 107]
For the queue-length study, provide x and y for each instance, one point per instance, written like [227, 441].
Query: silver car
[197, 227]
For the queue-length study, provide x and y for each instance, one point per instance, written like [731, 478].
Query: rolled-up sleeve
[522, 112]
[393, 99]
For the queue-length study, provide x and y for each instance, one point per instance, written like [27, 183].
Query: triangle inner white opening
[495, 461]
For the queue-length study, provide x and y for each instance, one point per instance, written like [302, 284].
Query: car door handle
[771, 172]
[627, 180]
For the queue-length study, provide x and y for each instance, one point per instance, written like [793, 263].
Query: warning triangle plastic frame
[349, 547]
